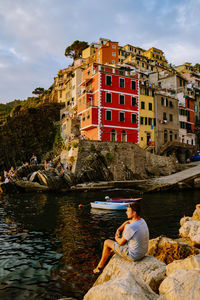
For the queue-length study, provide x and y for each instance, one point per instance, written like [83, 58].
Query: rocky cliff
[29, 131]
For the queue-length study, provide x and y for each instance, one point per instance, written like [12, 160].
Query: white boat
[108, 205]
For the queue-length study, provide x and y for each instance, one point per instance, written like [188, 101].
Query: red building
[108, 104]
[190, 113]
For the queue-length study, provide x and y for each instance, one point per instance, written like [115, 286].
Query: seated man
[132, 238]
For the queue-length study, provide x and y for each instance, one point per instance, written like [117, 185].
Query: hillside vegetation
[29, 130]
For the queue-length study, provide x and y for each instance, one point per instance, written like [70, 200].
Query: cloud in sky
[34, 34]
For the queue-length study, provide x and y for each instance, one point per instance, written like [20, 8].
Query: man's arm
[121, 240]
[121, 228]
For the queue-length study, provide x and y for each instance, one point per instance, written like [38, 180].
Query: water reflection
[49, 246]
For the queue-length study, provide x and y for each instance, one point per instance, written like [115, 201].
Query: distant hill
[7, 108]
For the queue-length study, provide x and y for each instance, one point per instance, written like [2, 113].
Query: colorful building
[156, 55]
[184, 68]
[108, 105]
[147, 117]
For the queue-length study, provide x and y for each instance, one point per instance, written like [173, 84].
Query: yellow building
[132, 49]
[121, 55]
[147, 117]
[156, 55]
[63, 85]
[185, 68]
[91, 50]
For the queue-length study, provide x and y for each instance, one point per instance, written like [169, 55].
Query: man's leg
[107, 248]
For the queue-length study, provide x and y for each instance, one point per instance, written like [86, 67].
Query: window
[121, 116]
[166, 102]
[121, 99]
[143, 65]
[113, 135]
[108, 80]
[188, 115]
[150, 106]
[113, 61]
[108, 97]
[151, 68]
[154, 121]
[142, 120]
[142, 105]
[108, 115]
[170, 104]
[133, 85]
[175, 136]
[171, 117]
[165, 136]
[114, 46]
[133, 118]
[170, 136]
[124, 136]
[133, 101]
[146, 91]
[164, 116]
[149, 121]
[145, 120]
[162, 100]
[121, 83]
[113, 53]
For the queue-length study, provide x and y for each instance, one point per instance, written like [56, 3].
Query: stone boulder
[189, 263]
[128, 287]
[168, 250]
[28, 186]
[196, 215]
[181, 284]
[185, 219]
[130, 279]
[191, 229]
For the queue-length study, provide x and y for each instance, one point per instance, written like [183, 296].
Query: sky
[34, 35]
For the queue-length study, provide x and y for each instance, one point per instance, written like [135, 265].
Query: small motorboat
[109, 205]
[122, 200]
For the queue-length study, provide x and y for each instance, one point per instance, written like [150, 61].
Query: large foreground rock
[183, 281]
[128, 280]
[168, 250]
[191, 229]
[190, 263]
[129, 287]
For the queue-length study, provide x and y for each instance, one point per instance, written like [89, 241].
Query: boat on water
[109, 205]
[114, 204]
[124, 200]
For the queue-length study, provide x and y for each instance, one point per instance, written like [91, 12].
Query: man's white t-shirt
[137, 236]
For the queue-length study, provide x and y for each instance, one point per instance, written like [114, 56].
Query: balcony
[59, 88]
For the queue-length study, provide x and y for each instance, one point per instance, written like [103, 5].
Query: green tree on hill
[38, 91]
[75, 49]
[197, 67]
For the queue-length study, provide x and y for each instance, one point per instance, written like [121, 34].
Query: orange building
[107, 53]
[102, 52]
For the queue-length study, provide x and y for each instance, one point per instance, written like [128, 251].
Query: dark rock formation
[29, 131]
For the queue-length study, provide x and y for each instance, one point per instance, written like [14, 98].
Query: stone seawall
[120, 161]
